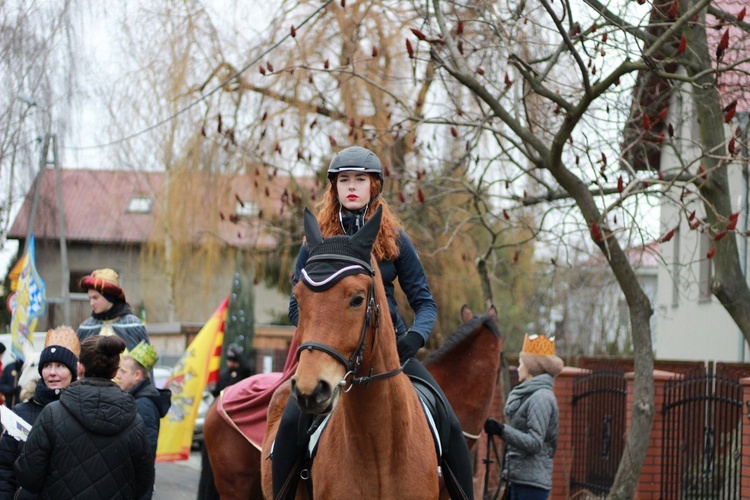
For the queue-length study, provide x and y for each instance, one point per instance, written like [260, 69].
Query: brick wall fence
[649, 486]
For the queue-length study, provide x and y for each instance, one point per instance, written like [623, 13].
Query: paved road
[178, 480]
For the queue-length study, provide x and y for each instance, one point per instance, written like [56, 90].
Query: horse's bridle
[352, 364]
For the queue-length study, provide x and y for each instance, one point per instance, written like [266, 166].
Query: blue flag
[29, 303]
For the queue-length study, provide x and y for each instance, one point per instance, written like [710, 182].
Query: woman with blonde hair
[92, 442]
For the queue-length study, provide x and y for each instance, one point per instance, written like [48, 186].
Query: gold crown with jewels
[538, 345]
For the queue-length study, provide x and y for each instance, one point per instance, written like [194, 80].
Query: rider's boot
[457, 473]
[289, 451]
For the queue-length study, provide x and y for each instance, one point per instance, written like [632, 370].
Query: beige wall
[197, 294]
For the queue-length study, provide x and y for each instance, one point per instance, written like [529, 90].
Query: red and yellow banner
[198, 365]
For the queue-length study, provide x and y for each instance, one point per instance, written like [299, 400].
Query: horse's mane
[466, 329]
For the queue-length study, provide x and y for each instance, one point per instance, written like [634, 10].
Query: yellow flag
[29, 302]
[187, 383]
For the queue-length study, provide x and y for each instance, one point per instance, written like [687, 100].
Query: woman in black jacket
[92, 442]
[58, 367]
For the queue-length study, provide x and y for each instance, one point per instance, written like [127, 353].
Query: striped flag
[198, 365]
[29, 302]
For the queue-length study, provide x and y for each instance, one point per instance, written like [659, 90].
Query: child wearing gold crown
[152, 403]
[532, 420]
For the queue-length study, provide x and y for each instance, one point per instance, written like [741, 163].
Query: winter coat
[128, 327]
[152, 404]
[89, 444]
[530, 432]
[230, 377]
[10, 447]
[408, 269]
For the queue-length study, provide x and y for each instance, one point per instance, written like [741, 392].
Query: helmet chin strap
[358, 216]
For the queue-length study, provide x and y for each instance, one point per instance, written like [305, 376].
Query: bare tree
[38, 75]
[559, 123]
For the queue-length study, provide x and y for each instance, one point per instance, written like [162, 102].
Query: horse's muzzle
[319, 402]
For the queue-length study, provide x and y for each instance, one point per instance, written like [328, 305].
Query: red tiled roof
[96, 206]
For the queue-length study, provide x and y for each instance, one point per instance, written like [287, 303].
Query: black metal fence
[702, 439]
[599, 418]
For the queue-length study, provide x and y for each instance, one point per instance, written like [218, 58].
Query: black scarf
[118, 309]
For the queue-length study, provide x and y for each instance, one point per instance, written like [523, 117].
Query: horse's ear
[492, 312]
[466, 313]
[312, 231]
[365, 237]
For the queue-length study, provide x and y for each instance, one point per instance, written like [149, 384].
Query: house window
[247, 208]
[140, 205]
[705, 276]
[75, 281]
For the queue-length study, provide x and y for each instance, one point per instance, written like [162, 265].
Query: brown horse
[466, 367]
[473, 351]
[377, 442]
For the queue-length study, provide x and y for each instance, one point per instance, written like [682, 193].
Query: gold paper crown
[145, 354]
[64, 336]
[538, 345]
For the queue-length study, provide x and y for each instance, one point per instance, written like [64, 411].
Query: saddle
[433, 405]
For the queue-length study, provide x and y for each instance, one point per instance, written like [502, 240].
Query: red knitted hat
[104, 281]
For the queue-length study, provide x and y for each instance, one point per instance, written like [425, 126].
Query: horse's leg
[206, 487]
[233, 459]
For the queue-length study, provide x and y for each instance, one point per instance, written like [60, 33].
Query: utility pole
[63, 239]
[37, 189]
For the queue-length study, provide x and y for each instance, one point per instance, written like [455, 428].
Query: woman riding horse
[356, 183]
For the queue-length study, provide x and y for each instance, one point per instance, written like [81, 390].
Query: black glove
[408, 344]
[493, 427]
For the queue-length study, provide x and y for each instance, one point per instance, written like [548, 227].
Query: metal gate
[598, 434]
[702, 444]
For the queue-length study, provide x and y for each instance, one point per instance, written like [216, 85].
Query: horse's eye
[357, 301]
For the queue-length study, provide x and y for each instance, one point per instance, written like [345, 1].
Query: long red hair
[386, 245]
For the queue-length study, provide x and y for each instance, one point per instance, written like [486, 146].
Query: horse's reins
[372, 319]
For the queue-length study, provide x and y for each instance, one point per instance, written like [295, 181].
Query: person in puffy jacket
[91, 443]
[58, 367]
[532, 421]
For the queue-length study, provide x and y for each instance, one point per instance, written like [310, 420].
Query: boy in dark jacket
[152, 403]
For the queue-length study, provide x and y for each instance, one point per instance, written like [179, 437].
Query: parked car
[205, 404]
[161, 375]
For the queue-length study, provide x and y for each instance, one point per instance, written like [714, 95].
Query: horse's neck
[379, 395]
[477, 353]
[378, 404]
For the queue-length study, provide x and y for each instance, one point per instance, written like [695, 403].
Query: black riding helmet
[357, 159]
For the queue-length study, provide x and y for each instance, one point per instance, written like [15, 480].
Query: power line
[18, 148]
[204, 96]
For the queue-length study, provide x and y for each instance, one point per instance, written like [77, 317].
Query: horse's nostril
[323, 392]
